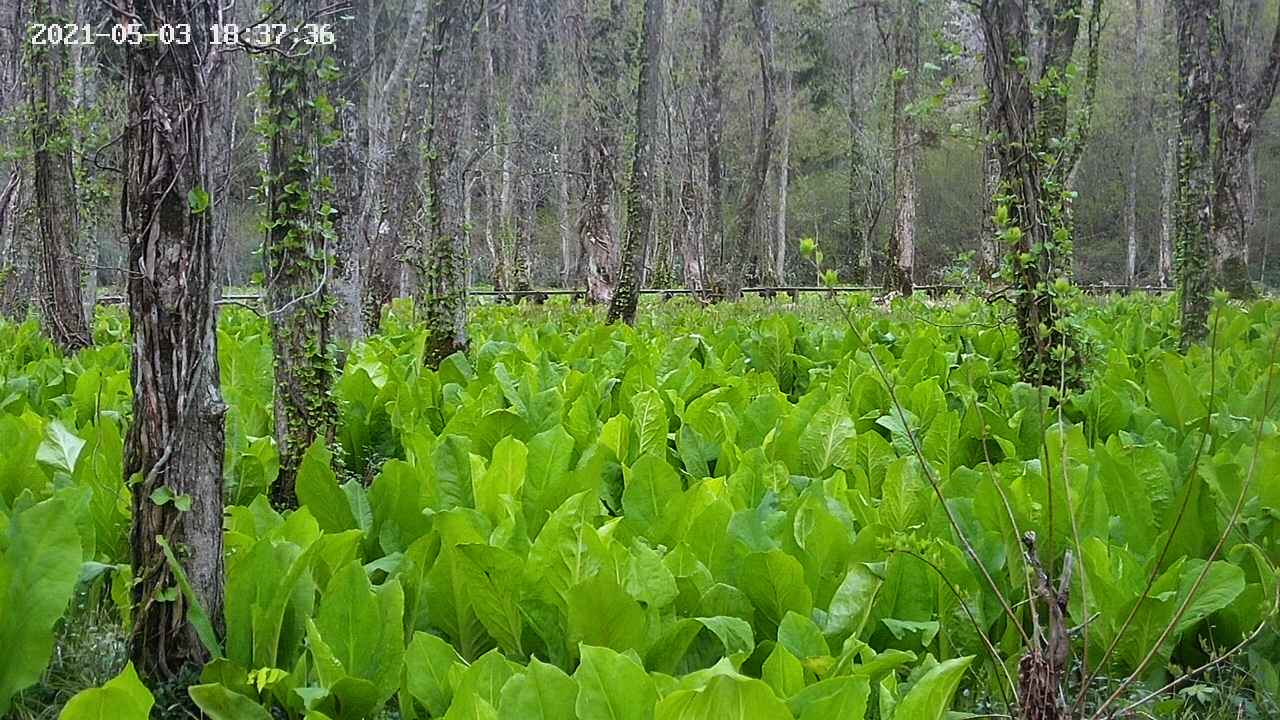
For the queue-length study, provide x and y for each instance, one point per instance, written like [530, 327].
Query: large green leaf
[38, 573]
[363, 629]
[219, 703]
[428, 663]
[826, 442]
[542, 692]
[612, 686]
[502, 481]
[123, 697]
[776, 585]
[725, 697]
[930, 697]
[318, 490]
[492, 577]
[841, 697]
[649, 418]
[547, 483]
[61, 447]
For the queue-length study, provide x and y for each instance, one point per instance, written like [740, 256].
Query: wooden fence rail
[794, 291]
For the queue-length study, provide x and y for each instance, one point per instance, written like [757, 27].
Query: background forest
[544, 122]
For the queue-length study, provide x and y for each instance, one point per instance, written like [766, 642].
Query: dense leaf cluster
[715, 510]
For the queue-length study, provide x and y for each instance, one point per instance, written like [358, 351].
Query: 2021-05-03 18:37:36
[135, 33]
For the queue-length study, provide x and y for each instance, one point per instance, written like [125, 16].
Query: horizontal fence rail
[790, 290]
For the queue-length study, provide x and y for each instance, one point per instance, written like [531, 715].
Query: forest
[639, 359]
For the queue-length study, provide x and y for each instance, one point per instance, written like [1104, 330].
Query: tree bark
[17, 242]
[175, 441]
[856, 191]
[784, 163]
[520, 182]
[640, 186]
[1168, 203]
[1241, 106]
[62, 303]
[441, 261]
[1135, 130]
[902, 243]
[750, 264]
[297, 251]
[564, 212]
[389, 166]
[347, 159]
[1037, 236]
[712, 93]
[988, 244]
[598, 61]
[1195, 170]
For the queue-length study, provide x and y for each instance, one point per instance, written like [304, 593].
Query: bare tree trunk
[988, 244]
[62, 303]
[751, 258]
[376, 274]
[640, 186]
[175, 441]
[1241, 108]
[784, 162]
[84, 94]
[563, 209]
[346, 157]
[522, 60]
[1195, 171]
[17, 242]
[859, 238]
[712, 93]
[1168, 203]
[1135, 131]
[902, 243]
[297, 254]
[599, 59]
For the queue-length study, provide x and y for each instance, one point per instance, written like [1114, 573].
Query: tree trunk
[442, 285]
[1135, 130]
[640, 186]
[1168, 203]
[988, 244]
[62, 303]
[388, 166]
[712, 92]
[1195, 171]
[1038, 237]
[784, 162]
[346, 157]
[563, 210]
[902, 243]
[856, 190]
[1241, 107]
[175, 440]
[523, 60]
[297, 253]
[17, 242]
[1230, 246]
[599, 59]
[749, 265]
